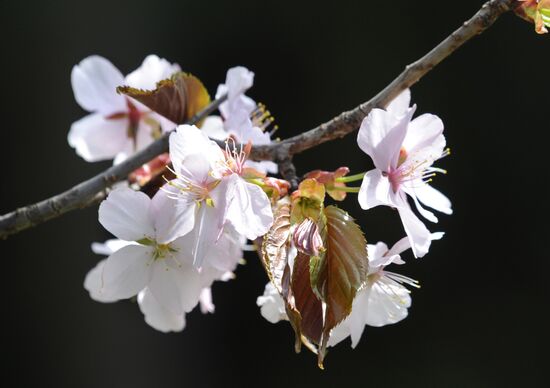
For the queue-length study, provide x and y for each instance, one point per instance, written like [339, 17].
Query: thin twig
[88, 192]
[91, 191]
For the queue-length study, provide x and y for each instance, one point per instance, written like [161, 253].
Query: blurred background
[481, 316]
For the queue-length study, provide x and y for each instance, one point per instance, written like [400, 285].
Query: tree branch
[92, 190]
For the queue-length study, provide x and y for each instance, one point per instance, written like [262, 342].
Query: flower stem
[348, 189]
[350, 178]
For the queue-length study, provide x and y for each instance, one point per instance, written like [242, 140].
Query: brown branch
[92, 190]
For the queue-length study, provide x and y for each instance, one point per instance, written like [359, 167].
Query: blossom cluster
[190, 231]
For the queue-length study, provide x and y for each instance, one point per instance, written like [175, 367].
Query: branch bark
[88, 192]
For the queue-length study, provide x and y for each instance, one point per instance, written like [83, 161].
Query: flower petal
[96, 138]
[399, 105]
[388, 303]
[381, 136]
[207, 230]
[172, 218]
[213, 127]
[238, 80]
[109, 247]
[205, 301]
[93, 283]
[419, 236]
[357, 320]
[375, 190]
[423, 212]
[265, 166]
[127, 271]
[433, 198]
[157, 316]
[377, 256]
[272, 306]
[248, 208]
[152, 70]
[125, 213]
[94, 82]
[187, 140]
[425, 131]
[399, 247]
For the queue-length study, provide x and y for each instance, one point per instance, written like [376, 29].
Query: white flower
[243, 119]
[183, 283]
[403, 152]
[117, 126]
[152, 259]
[211, 192]
[383, 300]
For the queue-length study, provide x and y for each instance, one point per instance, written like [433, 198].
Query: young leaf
[306, 302]
[276, 244]
[340, 271]
[177, 98]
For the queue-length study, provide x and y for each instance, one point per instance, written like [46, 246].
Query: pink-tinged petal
[388, 303]
[213, 127]
[399, 105]
[425, 131]
[248, 208]
[127, 271]
[418, 234]
[94, 82]
[152, 70]
[381, 136]
[375, 190]
[95, 138]
[93, 283]
[172, 218]
[125, 213]
[157, 316]
[205, 301]
[433, 198]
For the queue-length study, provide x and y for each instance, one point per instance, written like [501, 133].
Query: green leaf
[340, 271]
[178, 98]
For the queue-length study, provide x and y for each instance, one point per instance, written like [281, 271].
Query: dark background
[481, 316]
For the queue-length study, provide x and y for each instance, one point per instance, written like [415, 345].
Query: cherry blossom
[172, 285]
[117, 126]
[211, 192]
[384, 299]
[403, 151]
[243, 119]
